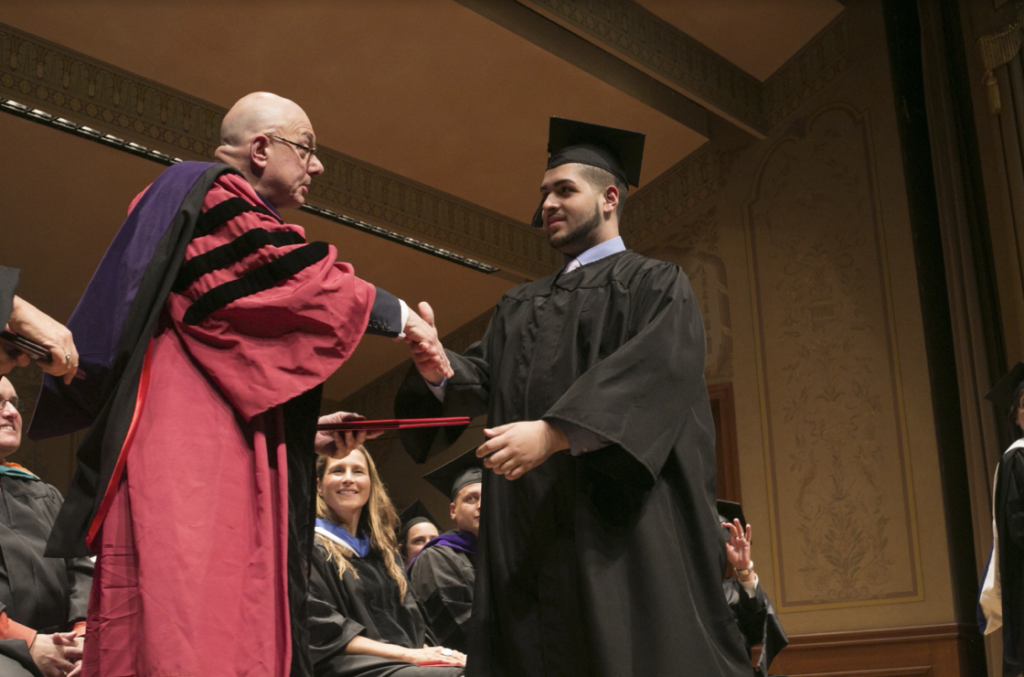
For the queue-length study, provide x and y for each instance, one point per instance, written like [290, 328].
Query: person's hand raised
[737, 550]
[340, 444]
[425, 345]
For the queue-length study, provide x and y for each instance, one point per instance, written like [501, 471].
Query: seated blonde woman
[364, 620]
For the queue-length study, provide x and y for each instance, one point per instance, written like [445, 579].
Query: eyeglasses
[310, 151]
[13, 402]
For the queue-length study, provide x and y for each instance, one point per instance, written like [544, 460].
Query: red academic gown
[191, 577]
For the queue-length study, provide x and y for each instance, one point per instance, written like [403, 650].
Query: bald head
[254, 139]
[253, 114]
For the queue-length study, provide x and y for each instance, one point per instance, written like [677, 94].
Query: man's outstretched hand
[339, 445]
[427, 352]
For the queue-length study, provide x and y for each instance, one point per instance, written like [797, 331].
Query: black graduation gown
[608, 563]
[1009, 515]
[8, 288]
[47, 594]
[758, 622]
[443, 580]
[343, 607]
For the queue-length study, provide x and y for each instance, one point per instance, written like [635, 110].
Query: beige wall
[799, 249]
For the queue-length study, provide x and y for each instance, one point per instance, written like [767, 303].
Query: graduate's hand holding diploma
[514, 449]
[340, 444]
[427, 352]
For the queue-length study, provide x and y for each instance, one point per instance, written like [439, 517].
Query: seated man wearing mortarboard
[442, 574]
[418, 528]
[746, 598]
[39, 596]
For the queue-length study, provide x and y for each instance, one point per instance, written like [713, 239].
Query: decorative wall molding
[808, 71]
[41, 73]
[840, 490]
[640, 37]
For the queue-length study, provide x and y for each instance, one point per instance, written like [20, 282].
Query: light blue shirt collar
[598, 252]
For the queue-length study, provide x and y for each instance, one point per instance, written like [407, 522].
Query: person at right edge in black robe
[1001, 601]
[602, 555]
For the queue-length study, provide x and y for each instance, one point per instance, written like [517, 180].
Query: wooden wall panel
[929, 650]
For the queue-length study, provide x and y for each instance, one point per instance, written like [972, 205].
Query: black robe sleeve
[15, 659]
[443, 581]
[757, 621]
[8, 288]
[330, 630]
[46, 594]
[466, 394]
[636, 396]
[1009, 514]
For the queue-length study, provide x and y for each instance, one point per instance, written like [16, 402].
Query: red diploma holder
[393, 424]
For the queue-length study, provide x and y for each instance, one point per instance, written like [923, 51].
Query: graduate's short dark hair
[601, 179]
[1011, 416]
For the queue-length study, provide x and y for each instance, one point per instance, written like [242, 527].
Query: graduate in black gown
[443, 574]
[1002, 595]
[602, 556]
[418, 528]
[364, 620]
[747, 600]
[39, 596]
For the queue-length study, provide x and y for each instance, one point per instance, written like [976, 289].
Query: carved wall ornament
[840, 489]
[88, 91]
[695, 249]
[998, 49]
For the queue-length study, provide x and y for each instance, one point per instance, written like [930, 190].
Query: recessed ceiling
[424, 88]
[427, 89]
[755, 35]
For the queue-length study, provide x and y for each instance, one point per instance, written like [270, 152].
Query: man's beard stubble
[578, 233]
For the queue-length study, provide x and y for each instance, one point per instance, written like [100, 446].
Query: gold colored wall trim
[640, 37]
[40, 73]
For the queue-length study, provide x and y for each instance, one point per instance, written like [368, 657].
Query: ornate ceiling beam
[640, 37]
[85, 90]
[571, 48]
[643, 55]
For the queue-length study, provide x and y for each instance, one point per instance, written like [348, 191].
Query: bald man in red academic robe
[195, 476]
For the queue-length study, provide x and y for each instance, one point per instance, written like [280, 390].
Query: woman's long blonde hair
[378, 518]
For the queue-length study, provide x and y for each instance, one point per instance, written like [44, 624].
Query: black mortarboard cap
[457, 473]
[618, 151]
[731, 511]
[1006, 392]
[416, 513]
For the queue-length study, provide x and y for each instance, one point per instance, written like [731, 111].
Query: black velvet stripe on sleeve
[230, 253]
[225, 211]
[264, 277]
